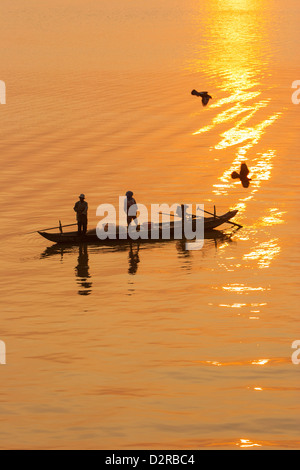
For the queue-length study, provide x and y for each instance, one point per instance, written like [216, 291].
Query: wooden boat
[210, 223]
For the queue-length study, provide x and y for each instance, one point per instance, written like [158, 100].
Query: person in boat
[128, 203]
[81, 209]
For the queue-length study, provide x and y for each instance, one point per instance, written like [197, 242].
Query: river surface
[150, 347]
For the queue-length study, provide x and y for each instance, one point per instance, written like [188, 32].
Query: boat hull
[210, 223]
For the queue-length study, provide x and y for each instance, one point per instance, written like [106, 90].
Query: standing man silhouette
[81, 209]
[128, 203]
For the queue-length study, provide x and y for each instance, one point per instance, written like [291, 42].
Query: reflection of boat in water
[213, 238]
[132, 247]
[210, 223]
[82, 268]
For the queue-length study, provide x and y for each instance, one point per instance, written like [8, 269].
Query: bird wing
[244, 170]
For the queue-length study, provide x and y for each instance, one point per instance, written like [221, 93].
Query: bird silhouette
[204, 95]
[243, 175]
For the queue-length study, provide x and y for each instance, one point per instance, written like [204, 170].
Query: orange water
[158, 348]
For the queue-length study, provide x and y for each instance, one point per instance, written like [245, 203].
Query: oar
[51, 228]
[214, 215]
[172, 215]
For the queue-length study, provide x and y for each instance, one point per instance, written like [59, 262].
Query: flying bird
[243, 175]
[204, 95]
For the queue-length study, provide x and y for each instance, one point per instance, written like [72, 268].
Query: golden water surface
[152, 347]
